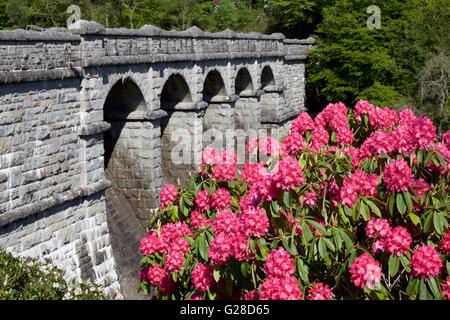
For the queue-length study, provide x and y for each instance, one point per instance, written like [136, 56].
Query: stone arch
[219, 116]
[175, 92]
[247, 108]
[273, 107]
[267, 77]
[243, 82]
[213, 86]
[129, 199]
[176, 100]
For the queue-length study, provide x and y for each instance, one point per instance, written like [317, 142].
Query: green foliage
[352, 60]
[29, 279]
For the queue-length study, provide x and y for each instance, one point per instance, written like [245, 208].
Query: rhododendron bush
[353, 204]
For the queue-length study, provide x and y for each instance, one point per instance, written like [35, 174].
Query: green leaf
[447, 264]
[391, 203]
[329, 244]
[432, 284]
[401, 203]
[414, 218]
[408, 200]
[374, 207]
[348, 242]
[424, 294]
[302, 270]
[438, 224]
[393, 264]
[306, 232]
[202, 248]
[319, 227]
[405, 263]
[216, 274]
[365, 211]
[287, 199]
[413, 287]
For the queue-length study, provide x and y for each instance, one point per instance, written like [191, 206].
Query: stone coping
[76, 30]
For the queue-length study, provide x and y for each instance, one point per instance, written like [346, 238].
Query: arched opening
[267, 78]
[174, 92]
[219, 116]
[273, 108]
[243, 83]
[127, 200]
[213, 86]
[176, 100]
[247, 106]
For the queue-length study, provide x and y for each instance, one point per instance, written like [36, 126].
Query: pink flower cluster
[253, 172]
[221, 199]
[320, 291]
[359, 183]
[198, 220]
[445, 288]
[292, 144]
[202, 276]
[395, 240]
[254, 222]
[397, 176]
[379, 118]
[288, 174]
[365, 271]
[426, 262]
[445, 243]
[226, 166]
[280, 283]
[302, 123]
[168, 195]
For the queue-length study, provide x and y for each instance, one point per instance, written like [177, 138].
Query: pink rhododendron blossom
[221, 199]
[254, 222]
[168, 196]
[240, 247]
[150, 244]
[275, 288]
[311, 198]
[446, 139]
[209, 157]
[397, 241]
[156, 274]
[288, 174]
[220, 249]
[426, 262]
[224, 172]
[225, 221]
[365, 271]
[397, 176]
[167, 286]
[251, 295]
[420, 187]
[269, 146]
[292, 145]
[445, 243]
[172, 232]
[253, 172]
[424, 134]
[198, 220]
[203, 201]
[302, 123]
[202, 276]
[378, 228]
[320, 291]
[279, 263]
[445, 288]
[319, 138]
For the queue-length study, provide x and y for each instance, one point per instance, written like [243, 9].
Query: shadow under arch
[267, 78]
[176, 100]
[243, 82]
[126, 207]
